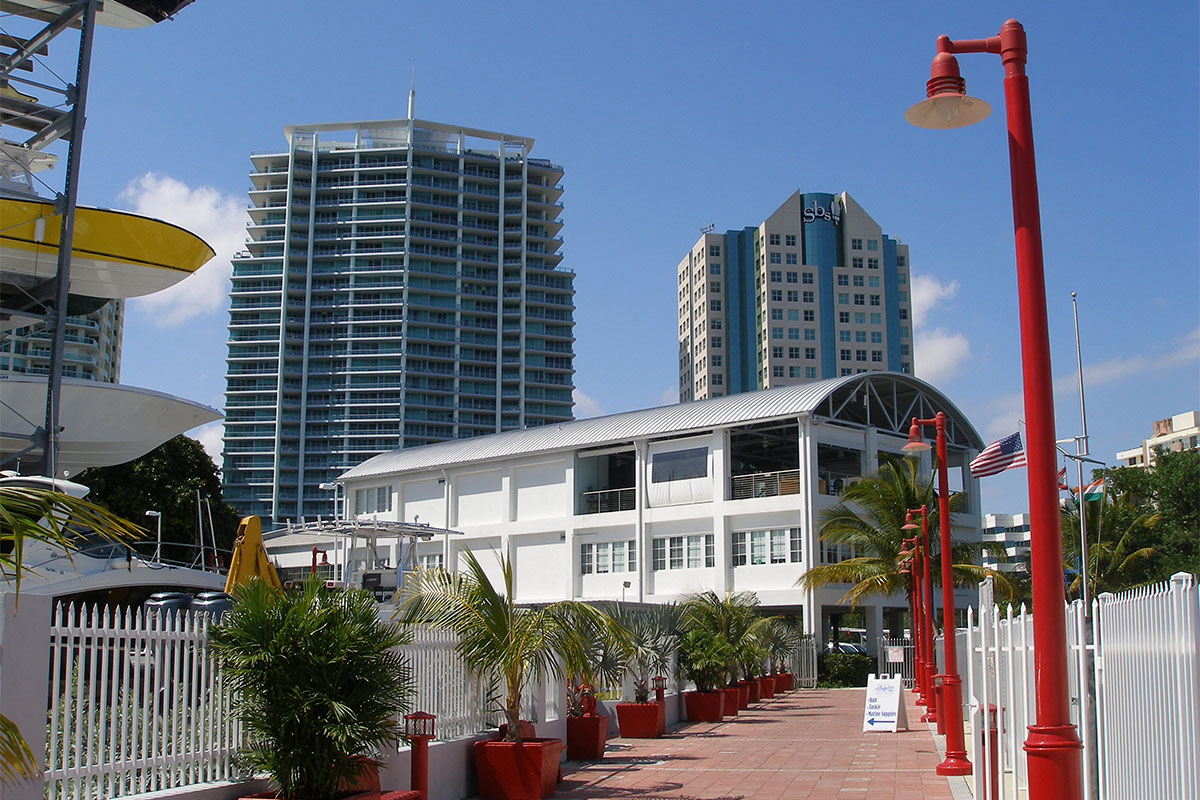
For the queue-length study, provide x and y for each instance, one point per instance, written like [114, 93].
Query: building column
[644, 545]
[721, 535]
[806, 446]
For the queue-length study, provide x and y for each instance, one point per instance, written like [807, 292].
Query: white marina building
[723, 494]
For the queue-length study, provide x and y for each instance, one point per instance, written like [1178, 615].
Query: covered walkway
[803, 744]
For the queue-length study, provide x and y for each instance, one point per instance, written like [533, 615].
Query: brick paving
[802, 744]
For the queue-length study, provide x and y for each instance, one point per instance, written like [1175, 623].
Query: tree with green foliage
[734, 618]
[1118, 556]
[1171, 490]
[166, 480]
[869, 519]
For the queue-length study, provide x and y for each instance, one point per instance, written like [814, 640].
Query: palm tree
[649, 636]
[591, 657]
[498, 639]
[36, 514]
[734, 618]
[1114, 554]
[869, 520]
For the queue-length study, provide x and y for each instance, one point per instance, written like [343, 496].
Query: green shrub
[836, 670]
[703, 656]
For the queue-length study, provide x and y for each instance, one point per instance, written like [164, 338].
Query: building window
[679, 465]
[876, 337]
[776, 333]
[793, 314]
[843, 280]
[872, 263]
[777, 295]
[793, 277]
[904, 331]
[904, 313]
[776, 276]
[810, 315]
[845, 355]
[717, 342]
[714, 305]
[844, 317]
[860, 318]
[903, 297]
[778, 546]
[714, 250]
[775, 259]
[873, 282]
[793, 296]
[810, 372]
[793, 372]
[856, 262]
[810, 334]
[807, 278]
[860, 355]
[843, 298]
[902, 279]
[773, 239]
[794, 333]
[793, 352]
[859, 300]
[874, 299]
[714, 361]
[872, 244]
[856, 244]
[789, 239]
[714, 268]
[901, 261]
[846, 371]
[875, 318]
[776, 313]
[810, 353]
[843, 336]
[714, 286]
[718, 380]
[877, 356]
[860, 336]
[605, 557]
[777, 352]
[373, 501]
[904, 351]
[430, 561]
[810, 297]
[777, 372]
[791, 258]
[714, 324]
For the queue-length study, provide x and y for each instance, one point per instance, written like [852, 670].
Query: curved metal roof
[885, 400]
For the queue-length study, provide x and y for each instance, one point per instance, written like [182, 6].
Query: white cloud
[669, 397]
[938, 353]
[927, 292]
[210, 436]
[217, 218]
[585, 406]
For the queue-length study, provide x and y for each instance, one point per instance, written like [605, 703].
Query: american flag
[998, 456]
[1062, 479]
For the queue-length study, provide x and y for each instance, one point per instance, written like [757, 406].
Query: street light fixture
[1053, 745]
[158, 539]
[915, 609]
[929, 661]
[956, 762]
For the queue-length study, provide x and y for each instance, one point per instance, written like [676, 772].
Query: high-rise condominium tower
[92, 349]
[815, 291]
[401, 286]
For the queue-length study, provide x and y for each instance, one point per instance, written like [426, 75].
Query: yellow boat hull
[114, 254]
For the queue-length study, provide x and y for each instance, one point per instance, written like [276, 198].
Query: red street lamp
[956, 762]
[1053, 746]
[419, 729]
[927, 620]
[915, 606]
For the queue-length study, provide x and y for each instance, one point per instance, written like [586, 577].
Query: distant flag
[1094, 490]
[1062, 479]
[1006, 453]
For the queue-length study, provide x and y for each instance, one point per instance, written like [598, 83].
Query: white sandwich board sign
[885, 704]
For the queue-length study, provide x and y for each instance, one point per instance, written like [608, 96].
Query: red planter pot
[375, 795]
[731, 702]
[768, 686]
[525, 770]
[784, 682]
[755, 691]
[743, 694]
[662, 719]
[638, 720]
[586, 737]
[704, 706]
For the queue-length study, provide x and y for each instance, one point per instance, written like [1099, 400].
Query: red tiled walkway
[803, 744]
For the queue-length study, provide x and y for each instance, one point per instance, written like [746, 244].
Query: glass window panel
[779, 546]
[676, 552]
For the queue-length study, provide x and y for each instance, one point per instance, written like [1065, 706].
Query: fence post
[24, 679]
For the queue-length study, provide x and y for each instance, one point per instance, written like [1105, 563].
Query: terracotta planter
[768, 686]
[755, 691]
[731, 702]
[638, 720]
[783, 682]
[743, 694]
[704, 706]
[525, 770]
[586, 736]
[662, 719]
[399, 795]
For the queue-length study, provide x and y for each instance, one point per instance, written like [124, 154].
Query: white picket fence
[1145, 714]
[137, 704]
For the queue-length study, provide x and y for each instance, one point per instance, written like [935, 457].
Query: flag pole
[1081, 449]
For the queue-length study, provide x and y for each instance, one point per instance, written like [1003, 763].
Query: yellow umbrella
[250, 557]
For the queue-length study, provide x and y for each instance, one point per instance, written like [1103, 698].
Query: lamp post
[928, 659]
[158, 536]
[956, 762]
[1053, 745]
[418, 728]
[915, 605]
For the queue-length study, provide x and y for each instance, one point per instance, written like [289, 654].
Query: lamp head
[946, 104]
[916, 442]
[152, 513]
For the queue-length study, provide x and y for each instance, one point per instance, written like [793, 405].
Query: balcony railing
[607, 500]
[765, 484]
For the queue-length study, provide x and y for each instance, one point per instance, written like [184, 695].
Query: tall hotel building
[815, 291]
[402, 285]
[91, 350]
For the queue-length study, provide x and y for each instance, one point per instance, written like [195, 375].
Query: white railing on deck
[137, 704]
[444, 686]
[1146, 670]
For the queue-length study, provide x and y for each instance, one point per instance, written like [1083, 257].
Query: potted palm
[591, 659]
[734, 618]
[318, 685]
[703, 660]
[649, 637]
[507, 645]
[781, 638]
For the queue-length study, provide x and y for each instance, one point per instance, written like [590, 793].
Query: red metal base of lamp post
[1053, 753]
[956, 762]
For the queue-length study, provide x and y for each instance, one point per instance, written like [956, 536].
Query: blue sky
[671, 116]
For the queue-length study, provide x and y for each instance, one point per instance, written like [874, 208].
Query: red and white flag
[1006, 453]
